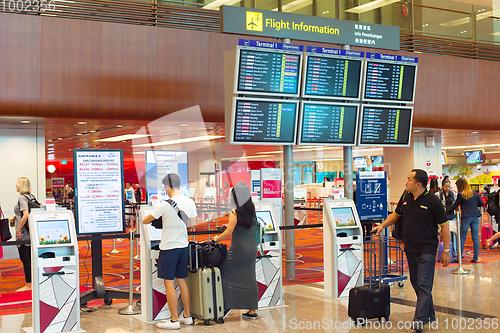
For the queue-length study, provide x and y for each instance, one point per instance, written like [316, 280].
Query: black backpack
[32, 203]
[492, 204]
[138, 195]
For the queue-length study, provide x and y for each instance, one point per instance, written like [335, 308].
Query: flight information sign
[385, 126]
[268, 68]
[330, 124]
[389, 78]
[332, 73]
[264, 121]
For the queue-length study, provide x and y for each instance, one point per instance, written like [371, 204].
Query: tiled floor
[463, 304]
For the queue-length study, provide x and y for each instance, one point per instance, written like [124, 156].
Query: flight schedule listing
[385, 81]
[332, 77]
[328, 123]
[268, 72]
[386, 125]
[258, 121]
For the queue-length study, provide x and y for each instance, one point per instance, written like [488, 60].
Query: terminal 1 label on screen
[267, 68]
[332, 73]
[324, 123]
[264, 121]
[385, 126]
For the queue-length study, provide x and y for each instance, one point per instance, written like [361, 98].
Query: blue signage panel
[371, 195]
[270, 45]
[391, 57]
[339, 52]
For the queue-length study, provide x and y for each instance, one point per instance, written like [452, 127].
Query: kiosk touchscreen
[300, 197]
[55, 271]
[153, 293]
[342, 248]
[268, 266]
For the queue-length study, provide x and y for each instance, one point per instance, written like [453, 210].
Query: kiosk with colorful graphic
[342, 248]
[55, 271]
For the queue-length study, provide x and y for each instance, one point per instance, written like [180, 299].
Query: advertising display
[385, 126]
[377, 161]
[371, 195]
[389, 78]
[255, 180]
[268, 68]
[264, 121]
[360, 162]
[57, 188]
[332, 73]
[159, 163]
[474, 156]
[328, 123]
[99, 191]
[271, 190]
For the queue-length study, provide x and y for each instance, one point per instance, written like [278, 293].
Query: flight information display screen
[332, 73]
[268, 68]
[264, 121]
[385, 126]
[389, 78]
[328, 123]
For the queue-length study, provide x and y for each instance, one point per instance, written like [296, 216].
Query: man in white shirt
[174, 253]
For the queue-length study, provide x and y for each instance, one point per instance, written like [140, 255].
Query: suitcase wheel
[401, 284]
[206, 322]
[220, 321]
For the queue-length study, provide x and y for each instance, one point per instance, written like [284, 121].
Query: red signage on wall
[271, 189]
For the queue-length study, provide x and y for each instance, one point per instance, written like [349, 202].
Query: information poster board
[57, 188]
[255, 180]
[271, 190]
[99, 191]
[371, 195]
[159, 163]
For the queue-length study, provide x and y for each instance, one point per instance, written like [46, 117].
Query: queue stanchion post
[459, 270]
[114, 251]
[131, 309]
[138, 254]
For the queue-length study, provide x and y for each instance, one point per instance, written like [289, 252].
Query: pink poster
[271, 189]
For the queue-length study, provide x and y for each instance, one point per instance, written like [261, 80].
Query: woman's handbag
[5, 234]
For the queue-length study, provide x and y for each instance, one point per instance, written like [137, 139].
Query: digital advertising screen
[265, 218]
[377, 161]
[53, 232]
[474, 156]
[268, 68]
[360, 162]
[328, 123]
[444, 158]
[385, 126]
[264, 121]
[389, 78]
[344, 217]
[332, 73]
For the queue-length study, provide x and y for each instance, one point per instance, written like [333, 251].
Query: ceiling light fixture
[294, 6]
[82, 123]
[25, 122]
[475, 132]
[184, 125]
[79, 134]
[217, 3]
[185, 140]
[93, 131]
[119, 126]
[472, 146]
[124, 137]
[245, 157]
[370, 6]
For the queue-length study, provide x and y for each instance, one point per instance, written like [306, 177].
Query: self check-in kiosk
[55, 271]
[342, 248]
[153, 293]
[268, 266]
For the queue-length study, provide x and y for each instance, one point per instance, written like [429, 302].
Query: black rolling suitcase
[366, 302]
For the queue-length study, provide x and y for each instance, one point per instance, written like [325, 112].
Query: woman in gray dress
[239, 281]
[21, 210]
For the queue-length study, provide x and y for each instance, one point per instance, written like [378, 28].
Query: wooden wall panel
[488, 101]
[128, 71]
[182, 68]
[19, 64]
[71, 58]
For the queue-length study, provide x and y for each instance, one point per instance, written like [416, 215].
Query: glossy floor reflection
[468, 303]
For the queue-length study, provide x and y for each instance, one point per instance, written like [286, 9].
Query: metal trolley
[392, 268]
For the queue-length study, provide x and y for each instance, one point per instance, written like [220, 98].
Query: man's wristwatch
[447, 251]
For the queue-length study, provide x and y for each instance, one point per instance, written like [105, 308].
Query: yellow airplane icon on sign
[254, 21]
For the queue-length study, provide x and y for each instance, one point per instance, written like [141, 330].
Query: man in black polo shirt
[422, 213]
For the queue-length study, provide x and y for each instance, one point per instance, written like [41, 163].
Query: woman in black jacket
[469, 201]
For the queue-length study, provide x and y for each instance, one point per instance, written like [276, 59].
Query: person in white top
[174, 253]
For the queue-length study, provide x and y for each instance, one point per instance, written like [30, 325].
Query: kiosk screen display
[53, 232]
[268, 72]
[210, 193]
[344, 217]
[299, 195]
[265, 218]
[332, 77]
[155, 233]
[385, 126]
[264, 121]
[328, 123]
[360, 162]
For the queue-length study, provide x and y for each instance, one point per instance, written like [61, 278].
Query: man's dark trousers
[422, 267]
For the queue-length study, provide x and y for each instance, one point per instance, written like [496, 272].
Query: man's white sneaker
[186, 321]
[169, 325]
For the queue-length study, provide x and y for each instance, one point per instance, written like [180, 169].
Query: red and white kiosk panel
[268, 267]
[55, 271]
[342, 248]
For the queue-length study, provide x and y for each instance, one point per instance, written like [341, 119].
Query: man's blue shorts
[173, 264]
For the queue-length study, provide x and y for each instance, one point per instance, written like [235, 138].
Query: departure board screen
[332, 73]
[268, 71]
[328, 123]
[385, 126]
[388, 79]
[264, 121]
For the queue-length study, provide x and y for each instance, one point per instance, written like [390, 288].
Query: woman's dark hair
[434, 184]
[242, 201]
[445, 181]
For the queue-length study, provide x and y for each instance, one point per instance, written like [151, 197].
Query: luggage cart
[392, 268]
